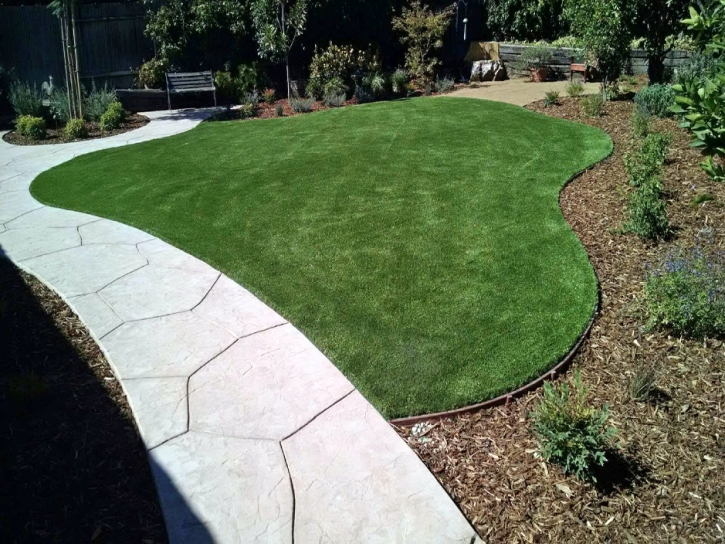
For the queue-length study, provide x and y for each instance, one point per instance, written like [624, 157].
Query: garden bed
[74, 468]
[56, 135]
[664, 483]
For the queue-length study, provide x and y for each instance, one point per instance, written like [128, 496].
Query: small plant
[152, 74]
[399, 81]
[701, 199]
[640, 123]
[685, 292]
[445, 85]
[551, 98]
[59, 105]
[76, 129]
[376, 82]
[534, 58]
[98, 101]
[31, 127]
[363, 95]
[647, 212]
[269, 96]
[113, 117]
[593, 105]
[575, 89]
[250, 104]
[644, 164]
[572, 433]
[279, 110]
[26, 100]
[655, 99]
[334, 100]
[225, 85]
[301, 105]
[335, 86]
[642, 382]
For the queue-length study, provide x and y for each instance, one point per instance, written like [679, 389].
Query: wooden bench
[189, 82]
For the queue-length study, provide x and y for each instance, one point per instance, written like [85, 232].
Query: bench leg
[168, 98]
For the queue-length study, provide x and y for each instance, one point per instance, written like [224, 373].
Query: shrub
[593, 105]
[152, 74]
[98, 101]
[334, 100]
[32, 127]
[301, 105]
[225, 85]
[363, 95]
[269, 96]
[575, 89]
[335, 86]
[655, 99]
[250, 105]
[640, 123]
[644, 164]
[113, 116]
[26, 100]
[399, 81]
[685, 293]
[551, 98]
[533, 57]
[250, 78]
[698, 67]
[279, 110]
[336, 62]
[572, 433]
[701, 199]
[642, 382]
[76, 128]
[375, 81]
[59, 105]
[647, 213]
[445, 85]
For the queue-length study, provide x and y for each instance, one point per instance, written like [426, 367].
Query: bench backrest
[189, 81]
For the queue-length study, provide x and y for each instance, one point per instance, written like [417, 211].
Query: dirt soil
[72, 465]
[55, 135]
[665, 478]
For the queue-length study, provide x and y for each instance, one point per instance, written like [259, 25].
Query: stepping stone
[160, 253]
[85, 269]
[51, 217]
[215, 489]
[236, 309]
[17, 182]
[154, 291]
[355, 480]
[159, 407]
[266, 385]
[96, 314]
[28, 243]
[173, 345]
[110, 232]
[15, 204]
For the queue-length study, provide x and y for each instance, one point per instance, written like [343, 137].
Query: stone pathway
[518, 91]
[253, 435]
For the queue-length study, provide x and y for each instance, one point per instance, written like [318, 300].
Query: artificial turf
[419, 244]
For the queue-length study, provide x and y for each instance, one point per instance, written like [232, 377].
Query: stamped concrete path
[253, 435]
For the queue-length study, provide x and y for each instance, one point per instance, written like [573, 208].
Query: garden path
[518, 91]
[252, 434]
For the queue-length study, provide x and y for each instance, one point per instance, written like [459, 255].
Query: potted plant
[535, 60]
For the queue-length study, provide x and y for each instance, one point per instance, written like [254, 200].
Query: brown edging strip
[506, 398]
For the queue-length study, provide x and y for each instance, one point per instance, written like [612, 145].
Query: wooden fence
[562, 58]
[111, 43]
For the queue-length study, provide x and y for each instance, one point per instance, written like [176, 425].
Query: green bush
[31, 127]
[75, 129]
[644, 164]
[640, 123]
[593, 105]
[375, 81]
[337, 63]
[685, 293]
[269, 96]
[250, 105]
[59, 105]
[533, 57]
[250, 78]
[642, 382]
[655, 99]
[572, 433]
[152, 74]
[279, 110]
[698, 67]
[225, 85]
[399, 81]
[575, 89]
[97, 102]
[445, 85]
[363, 95]
[551, 98]
[334, 86]
[113, 117]
[647, 212]
[301, 105]
[333, 100]
[26, 100]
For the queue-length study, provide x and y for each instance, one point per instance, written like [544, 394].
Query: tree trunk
[286, 53]
[75, 58]
[656, 67]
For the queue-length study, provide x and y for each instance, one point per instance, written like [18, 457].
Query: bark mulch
[55, 135]
[665, 481]
[72, 465]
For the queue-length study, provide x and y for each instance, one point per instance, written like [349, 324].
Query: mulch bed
[72, 465]
[55, 135]
[664, 481]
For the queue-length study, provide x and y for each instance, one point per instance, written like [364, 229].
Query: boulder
[488, 70]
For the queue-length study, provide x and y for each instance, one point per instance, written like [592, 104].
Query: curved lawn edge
[558, 369]
[504, 392]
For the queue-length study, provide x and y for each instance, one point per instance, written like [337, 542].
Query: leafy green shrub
[301, 105]
[269, 96]
[336, 62]
[250, 78]
[152, 74]
[75, 129]
[575, 89]
[98, 101]
[375, 82]
[333, 100]
[701, 199]
[113, 116]
[445, 85]
[279, 110]
[593, 105]
[551, 98]
[399, 81]
[533, 57]
[363, 95]
[655, 99]
[698, 67]
[31, 127]
[225, 85]
[26, 100]
[572, 433]
[647, 212]
[640, 123]
[250, 104]
[335, 86]
[59, 105]
[685, 293]
[644, 164]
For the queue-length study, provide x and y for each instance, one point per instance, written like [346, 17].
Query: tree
[525, 19]
[605, 28]
[66, 10]
[656, 21]
[422, 32]
[278, 24]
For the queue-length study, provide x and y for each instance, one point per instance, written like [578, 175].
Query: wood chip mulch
[665, 481]
[55, 135]
[72, 466]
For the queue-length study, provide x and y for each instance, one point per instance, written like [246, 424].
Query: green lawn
[419, 244]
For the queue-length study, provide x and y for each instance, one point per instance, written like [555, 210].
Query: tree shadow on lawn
[72, 465]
